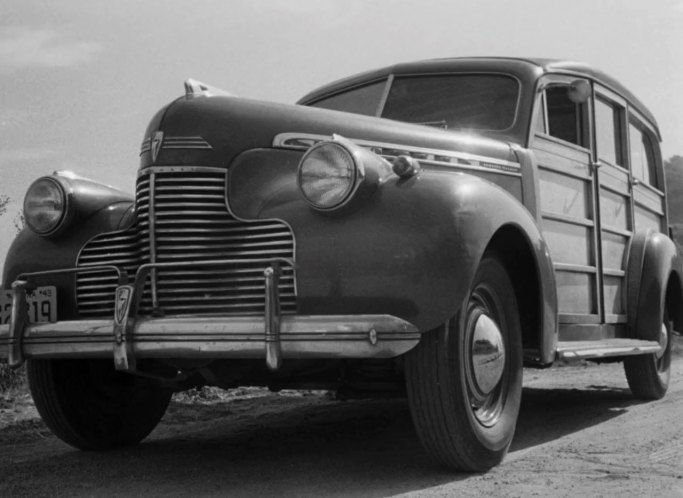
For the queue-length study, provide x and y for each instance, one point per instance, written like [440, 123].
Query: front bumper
[273, 336]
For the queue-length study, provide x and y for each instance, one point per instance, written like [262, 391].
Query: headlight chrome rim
[32, 213]
[352, 181]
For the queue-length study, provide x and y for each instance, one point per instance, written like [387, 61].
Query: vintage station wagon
[423, 229]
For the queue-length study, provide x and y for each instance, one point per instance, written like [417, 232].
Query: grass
[16, 405]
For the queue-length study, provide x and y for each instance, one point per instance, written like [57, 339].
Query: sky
[79, 80]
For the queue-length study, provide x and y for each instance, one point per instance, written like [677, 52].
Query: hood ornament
[157, 140]
[194, 88]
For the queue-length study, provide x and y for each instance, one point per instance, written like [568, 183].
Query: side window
[642, 154]
[607, 132]
[566, 119]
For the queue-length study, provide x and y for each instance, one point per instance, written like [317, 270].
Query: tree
[19, 221]
[673, 168]
[4, 201]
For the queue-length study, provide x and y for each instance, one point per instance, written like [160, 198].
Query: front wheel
[91, 406]
[464, 378]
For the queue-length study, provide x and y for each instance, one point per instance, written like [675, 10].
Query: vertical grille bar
[152, 241]
[182, 216]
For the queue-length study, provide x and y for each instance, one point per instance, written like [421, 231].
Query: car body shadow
[549, 414]
[303, 446]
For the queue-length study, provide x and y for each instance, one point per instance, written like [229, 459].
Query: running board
[582, 350]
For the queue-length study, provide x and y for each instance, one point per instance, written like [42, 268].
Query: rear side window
[642, 154]
[607, 127]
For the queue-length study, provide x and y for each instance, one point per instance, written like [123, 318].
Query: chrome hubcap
[488, 354]
[485, 357]
[663, 340]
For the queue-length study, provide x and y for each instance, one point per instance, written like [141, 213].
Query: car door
[561, 143]
[615, 224]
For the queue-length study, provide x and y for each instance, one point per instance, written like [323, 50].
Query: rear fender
[653, 260]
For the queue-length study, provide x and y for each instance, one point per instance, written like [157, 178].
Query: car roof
[528, 69]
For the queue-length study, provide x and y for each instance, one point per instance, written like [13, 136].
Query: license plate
[42, 305]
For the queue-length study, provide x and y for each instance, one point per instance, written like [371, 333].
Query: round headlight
[44, 205]
[327, 175]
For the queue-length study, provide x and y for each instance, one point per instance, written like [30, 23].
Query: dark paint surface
[233, 125]
[653, 260]
[96, 209]
[410, 249]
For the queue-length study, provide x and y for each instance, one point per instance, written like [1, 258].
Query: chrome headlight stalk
[336, 174]
[48, 205]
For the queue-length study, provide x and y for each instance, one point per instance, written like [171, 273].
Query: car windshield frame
[386, 82]
[385, 95]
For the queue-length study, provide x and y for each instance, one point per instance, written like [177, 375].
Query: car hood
[212, 131]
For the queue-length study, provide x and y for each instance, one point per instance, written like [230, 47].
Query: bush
[10, 378]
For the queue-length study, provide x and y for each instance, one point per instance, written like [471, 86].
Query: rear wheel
[91, 406]
[648, 375]
[465, 377]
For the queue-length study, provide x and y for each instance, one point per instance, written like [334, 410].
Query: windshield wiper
[436, 124]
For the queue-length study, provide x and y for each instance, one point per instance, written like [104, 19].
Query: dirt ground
[580, 433]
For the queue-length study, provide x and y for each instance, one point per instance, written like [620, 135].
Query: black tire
[459, 425]
[91, 406]
[648, 375]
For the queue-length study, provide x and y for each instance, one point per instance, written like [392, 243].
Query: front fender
[410, 250]
[31, 252]
[653, 259]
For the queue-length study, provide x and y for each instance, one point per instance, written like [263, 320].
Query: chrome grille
[95, 291]
[186, 220]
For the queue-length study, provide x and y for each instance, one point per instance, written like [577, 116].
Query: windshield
[460, 101]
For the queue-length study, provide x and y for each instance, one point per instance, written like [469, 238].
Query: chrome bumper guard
[127, 336]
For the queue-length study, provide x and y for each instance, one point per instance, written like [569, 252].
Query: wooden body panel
[567, 222]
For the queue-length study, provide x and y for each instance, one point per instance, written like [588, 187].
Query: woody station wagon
[423, 229]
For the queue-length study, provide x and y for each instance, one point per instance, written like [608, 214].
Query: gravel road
[580, 434]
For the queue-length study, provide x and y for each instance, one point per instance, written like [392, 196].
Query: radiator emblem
[123, 294]
[157, 140]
